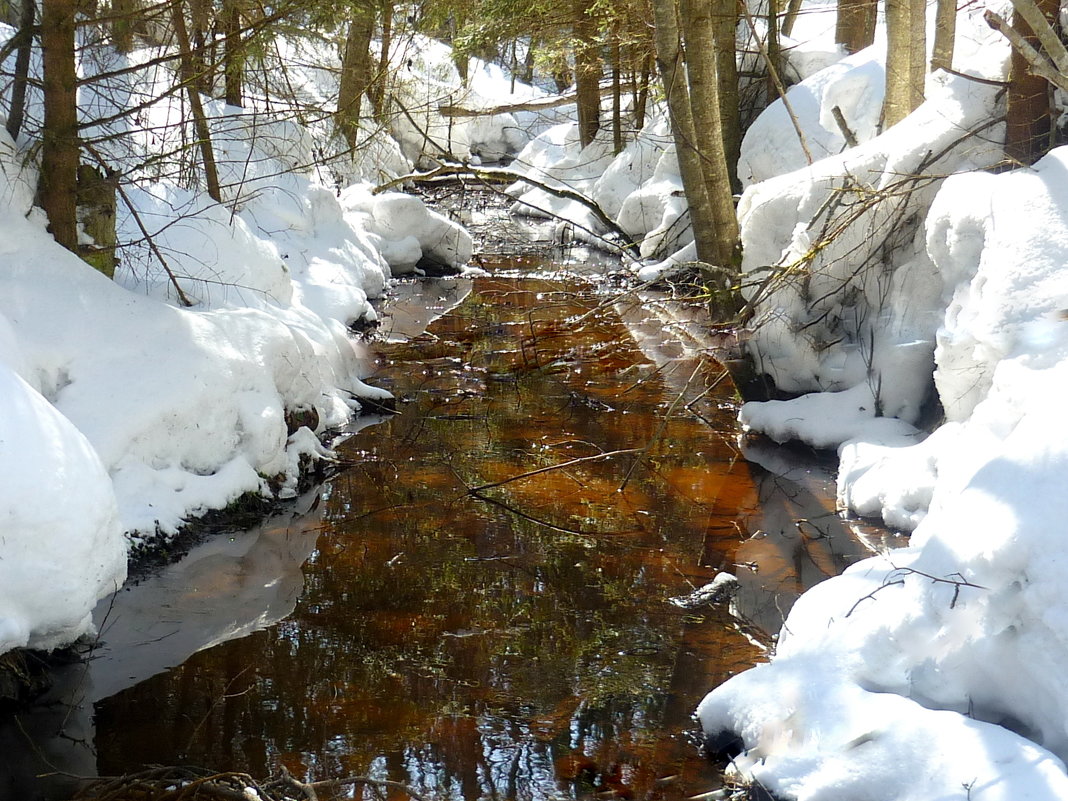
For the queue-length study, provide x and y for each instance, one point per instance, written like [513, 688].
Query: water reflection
[508, 642]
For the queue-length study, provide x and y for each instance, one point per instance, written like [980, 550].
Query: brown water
[511, 642]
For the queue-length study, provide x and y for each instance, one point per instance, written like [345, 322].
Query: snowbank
[61, 546]
[123, 411]
[931, 671]
[427, 79]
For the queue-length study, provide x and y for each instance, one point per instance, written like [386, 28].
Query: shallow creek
[449, 614]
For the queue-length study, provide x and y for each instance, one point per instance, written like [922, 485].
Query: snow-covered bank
[931, 671]
[128, 413]
[893, 278]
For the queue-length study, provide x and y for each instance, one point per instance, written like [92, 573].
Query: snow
[888, 279]
[930, 671]
[46, 595]
[125, 412]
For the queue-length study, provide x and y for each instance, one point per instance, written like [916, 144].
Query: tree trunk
[200, 19]
[355, 72]
[587, 71]
[233, 54]
[59, 148]
[945, 33]
[20, 80]
[617, 97]
[905, 59]
[122, 25]
[673, 76]
[96, 212]
[1029, 120]
[699, 39]
[377, 90]
[187, 69]
[793, 8]
[855, 24]
[641, 92]
[725, 33]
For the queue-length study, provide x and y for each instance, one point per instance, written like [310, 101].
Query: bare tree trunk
[122, 24]
[233, 54]
[855, 24]
[673, 75]
[1029, 121]
[587, 71]
[200, 19]
[917, 51]
[793, 8]
[617, 97]
[528, 61]
[905, 59]
[641, 92]
[945, 33]
[355, 72]
[187, 69]
[725, 33]
[20, 80]
[60, 148]
[377, 90]
[699, 39]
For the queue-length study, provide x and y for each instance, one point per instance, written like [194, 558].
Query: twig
[595, 458]
[896, 577]
[774, 73]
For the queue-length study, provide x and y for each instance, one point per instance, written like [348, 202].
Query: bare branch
[1039, 64]
[1049, 40]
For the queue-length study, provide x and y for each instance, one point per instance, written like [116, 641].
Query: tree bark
[617, 96]
[20, 80]
[59, 148]
[197, 37]
[187, 69]
[699, 40]
[673, 76]
[377, 90]
[122, 25]
[905, 59]
[725, 37]
[355, 72]
[233, 54]
[1029, 120]
[587, 71]
[855, 24]
[945, 33]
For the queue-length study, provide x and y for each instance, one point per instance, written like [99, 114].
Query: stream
[492, 603]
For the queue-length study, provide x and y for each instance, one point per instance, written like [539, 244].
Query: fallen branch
[195, 784]
[449, 110]
[502, 175]
[1049, 40]
[843, 126]
[549, 468]
[1039, 64]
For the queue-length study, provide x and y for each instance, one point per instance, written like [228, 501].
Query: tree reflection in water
[517, 643]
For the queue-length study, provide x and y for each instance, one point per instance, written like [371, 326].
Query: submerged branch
[595, 458]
